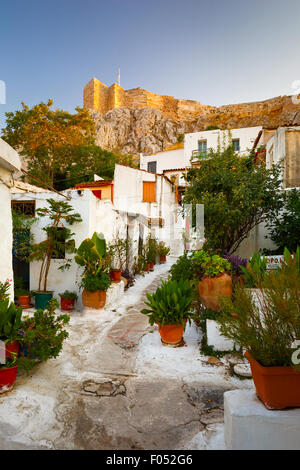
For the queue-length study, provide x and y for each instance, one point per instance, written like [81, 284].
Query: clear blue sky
[214, 51]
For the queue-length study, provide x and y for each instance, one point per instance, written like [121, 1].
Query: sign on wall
[274, 261]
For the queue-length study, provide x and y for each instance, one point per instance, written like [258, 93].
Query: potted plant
[170, 308]
[67, 300]
[8, 374]
[42, 335]
[118, 255]
[57, 243]
[267, 329]
[10, 321]
[163, 251]
[151, 251]
[23, 296]
[254, 272]
[215, 282]
[92, 255]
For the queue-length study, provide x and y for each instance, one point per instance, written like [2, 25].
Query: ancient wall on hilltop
[101, 98]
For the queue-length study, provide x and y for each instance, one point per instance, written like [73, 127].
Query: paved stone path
[92, 398]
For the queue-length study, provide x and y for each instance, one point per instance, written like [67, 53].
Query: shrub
[170, 304]
[93, 282]
[183, 268]
[209, 265]
[69, 295]
[43, 334]
[266, 325]
[162, 249]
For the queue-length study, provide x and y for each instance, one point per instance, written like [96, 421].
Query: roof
[94, 184]
[176, 169]
[9, 158]
[21, 187]
[145, 171]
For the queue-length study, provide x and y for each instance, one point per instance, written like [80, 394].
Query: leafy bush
[118, 253]
[44, 334]
[209, 265]
[93, 282]
[255, 271]
[4, 288]
[91, 254]
[69, 295]
[170, 304]
[183, 268]
[10, 321]
[266, 325]
[139, 264]
[151, 250]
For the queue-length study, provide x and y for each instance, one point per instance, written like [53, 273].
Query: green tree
[284, 229]
[237, 195]
[46, 137]
[58, 238]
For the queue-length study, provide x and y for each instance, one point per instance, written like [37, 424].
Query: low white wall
[215, 339]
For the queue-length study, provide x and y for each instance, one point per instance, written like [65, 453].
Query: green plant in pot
[57, 243]
[10, 322]
[215, 282]
[42, 335]
[267, 326]
[170, 307]
[118, 254]
[151, 252]
[255, 271]
[67, 300]
[92, 256]
[163, 251]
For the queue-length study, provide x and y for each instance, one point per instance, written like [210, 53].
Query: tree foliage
[59, 147]
[237, 195]
[284, 229]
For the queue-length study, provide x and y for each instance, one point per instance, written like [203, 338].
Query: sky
[213, 51]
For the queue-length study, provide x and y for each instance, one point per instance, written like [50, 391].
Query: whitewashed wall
[9, 163]
[217, 137]
[169, 159]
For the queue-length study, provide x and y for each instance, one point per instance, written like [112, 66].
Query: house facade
[133, 205]
[9, 163]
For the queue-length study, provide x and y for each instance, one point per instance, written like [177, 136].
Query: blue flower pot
[42, 299]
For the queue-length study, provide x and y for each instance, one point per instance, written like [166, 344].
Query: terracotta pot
[147, 268]
[151, 266]
[162, 259]
[67, 304]
[171, 334]
[211, 288]
[115, 275]
[277, 387]
[7, 378]
[11, 349]
[95, 299]
[24, 301]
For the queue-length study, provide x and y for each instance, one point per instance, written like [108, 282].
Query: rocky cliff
[149, 130]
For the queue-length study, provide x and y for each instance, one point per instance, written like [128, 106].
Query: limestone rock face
[148, 130]
[134, 131]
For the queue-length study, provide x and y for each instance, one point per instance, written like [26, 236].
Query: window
[236, 144]
[149, 193]
[24, 207]
[152, 167]
[202, 148]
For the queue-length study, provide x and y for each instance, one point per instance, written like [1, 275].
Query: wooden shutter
[149, 191]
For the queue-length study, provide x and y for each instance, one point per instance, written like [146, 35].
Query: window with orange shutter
[149, 193]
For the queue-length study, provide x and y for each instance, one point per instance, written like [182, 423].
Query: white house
[198, 144]
[9, 163]
[134, 204]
